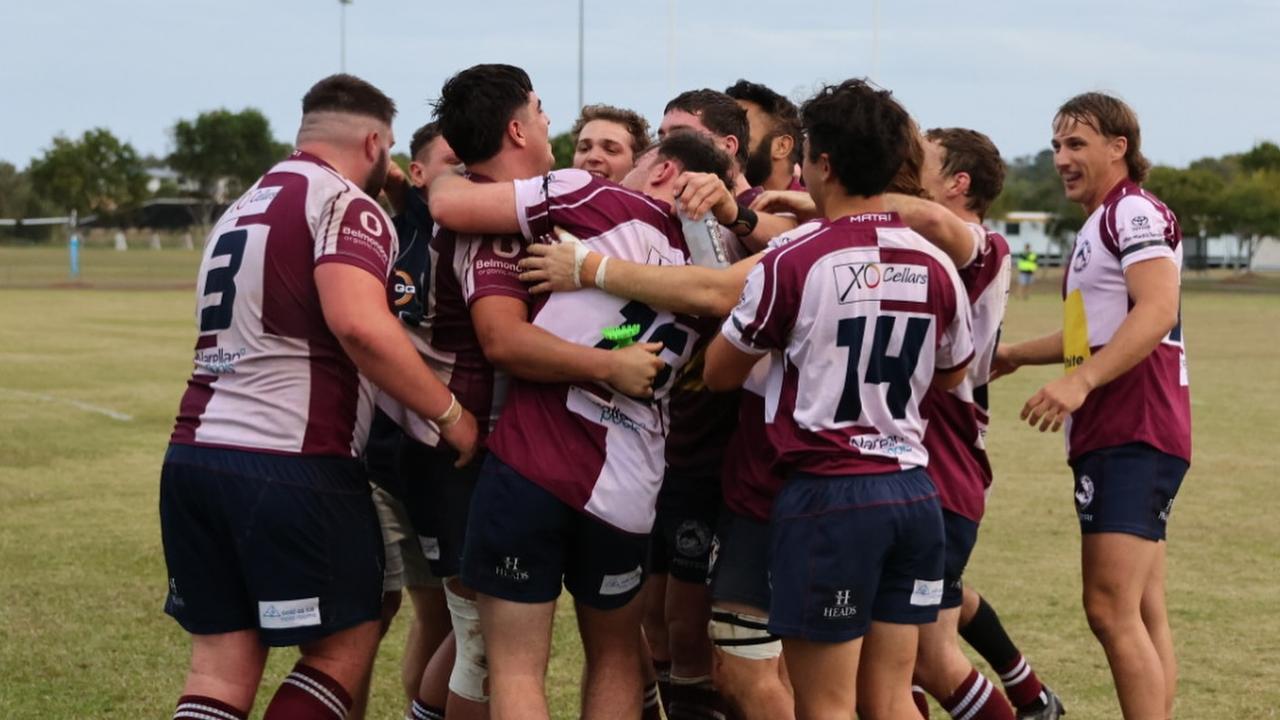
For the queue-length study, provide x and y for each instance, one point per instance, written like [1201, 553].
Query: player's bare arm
[688, 289]
[355, 309]
[699, 193]
[1153, 286]
[512, 343]
[937, 224]
[726, 367]
[465, 206]
[796, 202]
[1044, 350]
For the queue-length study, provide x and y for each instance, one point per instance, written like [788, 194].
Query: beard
[759, 163]
[377, 175]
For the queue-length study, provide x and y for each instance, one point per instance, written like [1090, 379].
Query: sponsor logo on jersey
[615, 416]
[404, 288]
[1084, 251]
[284, 614]
[1084, 492]
[1140, 222]
[841, 608]
[500, 267]
[864, 282]
[619, 584]
[371, 223]
[890, 445]
[927, 593]
[219, 361]
[256, 202]
[360, 237]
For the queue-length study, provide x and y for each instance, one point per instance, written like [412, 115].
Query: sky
[1201, 75]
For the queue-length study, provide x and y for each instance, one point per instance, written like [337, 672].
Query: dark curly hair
[475, 106]
[863, 131]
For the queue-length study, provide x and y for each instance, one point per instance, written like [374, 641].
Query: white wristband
[604, 260]
[451, 414]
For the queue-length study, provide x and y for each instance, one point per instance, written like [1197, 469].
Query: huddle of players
[708, 435]
[794, 519]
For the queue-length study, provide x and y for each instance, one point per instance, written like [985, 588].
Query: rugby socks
[308, 694]
[977, 699]
[199, 707]
[422, 711]
[986, 634]
[652, 706]
[695, 699]
[922, 703]
[663, 669]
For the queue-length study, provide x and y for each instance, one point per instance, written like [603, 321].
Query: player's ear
[782, 147]
[960, 183]
[1118, 145]
[371, 146]
[515, 131]
[663, 172]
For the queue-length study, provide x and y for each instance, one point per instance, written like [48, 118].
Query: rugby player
[1124, 398]
[774, 129]
[720, 117]
[854, 459]
[475, 333]
[392, 471]
[607, 140]
[586, 464]
[270, 536]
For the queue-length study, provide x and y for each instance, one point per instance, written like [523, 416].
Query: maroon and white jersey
[957, 419]
[465, 268]
[1151, 403]
[269, 375]
[864, 311]
[595, 449]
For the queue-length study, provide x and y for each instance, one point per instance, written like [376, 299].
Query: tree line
[219, 153]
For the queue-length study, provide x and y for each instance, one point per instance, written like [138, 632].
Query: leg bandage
[470, 669]
[744, 636]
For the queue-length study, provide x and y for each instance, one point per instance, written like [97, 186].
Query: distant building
[1029, 227]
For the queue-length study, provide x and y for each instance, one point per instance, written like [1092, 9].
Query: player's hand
[797, 202]
[463, 436]
[634, 368]
[549, 266]
[1004, 362]
[1053, 403]
[698, 193]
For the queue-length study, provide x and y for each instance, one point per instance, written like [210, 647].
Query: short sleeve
[1143, 231]
[492, 267]
[534, 198]
[356, 231]
[763, 318]
[955, 338]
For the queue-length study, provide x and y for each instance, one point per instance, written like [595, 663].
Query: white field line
[113, 414]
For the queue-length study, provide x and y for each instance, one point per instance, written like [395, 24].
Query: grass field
[90, 381]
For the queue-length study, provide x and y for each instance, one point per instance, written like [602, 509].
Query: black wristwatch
[745, 223]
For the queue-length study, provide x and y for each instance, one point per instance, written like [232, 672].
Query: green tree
[95, 174]
[1194, 196]
[1250, 208]
[224, 151]
[562, 148]
[1032, 183]
[1263, 156]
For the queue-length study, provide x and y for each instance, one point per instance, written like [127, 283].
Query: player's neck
[506, 165]
[336, 158]
[779, 179]
[840, 205]
[960, 209]
[1117, 175]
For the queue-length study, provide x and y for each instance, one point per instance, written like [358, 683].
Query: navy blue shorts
[853, 549]
[740, 561]
[1127, 489]
[438, 498]
[523, 544]
[961, 535]
[680, 544]
[285, 544]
